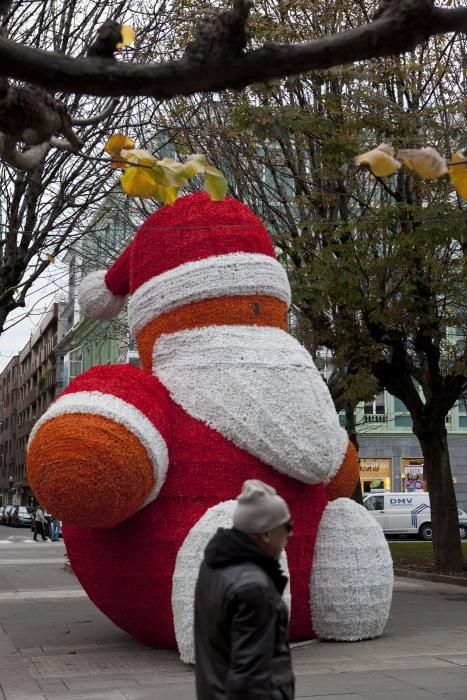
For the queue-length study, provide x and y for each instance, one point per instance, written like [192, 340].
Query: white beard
[260, 389]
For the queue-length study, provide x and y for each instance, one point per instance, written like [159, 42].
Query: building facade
[390, 454]
[62, 346]
[8, 418]
[87, 342]
[28, 386]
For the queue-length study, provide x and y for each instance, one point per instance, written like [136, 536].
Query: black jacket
[241, 623]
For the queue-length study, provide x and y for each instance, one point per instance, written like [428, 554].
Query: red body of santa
[143, 465]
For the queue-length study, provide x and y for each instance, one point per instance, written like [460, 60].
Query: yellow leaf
[380, 160]
[50, 257]
[142, 182]
[168, 195]
[138, 182]
[426, 162]
[114, 146]
[117, 164]
[127, 159]
[169, 173]
[117, 142]
[128, 36]
[193, 165]
[215, 183]
[458, 174]
[137, 155]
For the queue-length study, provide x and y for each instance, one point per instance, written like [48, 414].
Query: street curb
[405, 573]
[436, 578]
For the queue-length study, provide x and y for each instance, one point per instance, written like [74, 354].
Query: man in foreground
[241, 622]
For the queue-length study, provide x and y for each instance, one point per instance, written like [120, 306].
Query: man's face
[274, 541]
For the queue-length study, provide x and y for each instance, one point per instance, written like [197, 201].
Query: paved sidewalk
[55, 645]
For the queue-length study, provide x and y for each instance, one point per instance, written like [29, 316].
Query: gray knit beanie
[259, 508]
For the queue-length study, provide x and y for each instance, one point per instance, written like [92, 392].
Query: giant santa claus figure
[142, 465]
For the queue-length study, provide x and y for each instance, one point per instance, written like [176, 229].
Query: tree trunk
[4, 311]
[357, 495]
[351, 428]
[447, 548]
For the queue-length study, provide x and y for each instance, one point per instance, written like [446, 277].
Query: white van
[401, 513]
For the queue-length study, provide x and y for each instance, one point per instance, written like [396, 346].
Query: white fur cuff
[189, 558]
[96, 300]
[120, 411]
[352, 576]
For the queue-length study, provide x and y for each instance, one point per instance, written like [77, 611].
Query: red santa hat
[196, 249]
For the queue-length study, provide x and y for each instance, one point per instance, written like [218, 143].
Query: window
[375, 407]
[72, 365]
[134, 360]
[374, 503]
[399, 406]
[403, 421]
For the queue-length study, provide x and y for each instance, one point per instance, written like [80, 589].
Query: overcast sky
[21, 323]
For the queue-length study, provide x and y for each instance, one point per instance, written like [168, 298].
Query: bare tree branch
[45, 208]
[98, 117]
[399, 27]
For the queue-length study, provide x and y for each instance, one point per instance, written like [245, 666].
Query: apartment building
[28, 386]
[8, 418]
[62, 346]
[88, 342]
[390, 454]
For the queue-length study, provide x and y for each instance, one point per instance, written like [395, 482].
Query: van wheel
[463, 532]
[426, 533]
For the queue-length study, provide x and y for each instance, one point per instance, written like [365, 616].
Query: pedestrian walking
[241, 621]
[55, 528]
[40, 524]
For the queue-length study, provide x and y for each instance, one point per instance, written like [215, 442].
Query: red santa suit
[143, 465]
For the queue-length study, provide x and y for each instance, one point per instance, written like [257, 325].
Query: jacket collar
[229, 547]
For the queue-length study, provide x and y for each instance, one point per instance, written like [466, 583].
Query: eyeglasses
[288, 527]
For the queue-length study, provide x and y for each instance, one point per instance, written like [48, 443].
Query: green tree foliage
[377, 264]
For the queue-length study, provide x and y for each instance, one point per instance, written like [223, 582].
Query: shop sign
[413, 477]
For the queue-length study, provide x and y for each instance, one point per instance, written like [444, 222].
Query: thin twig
[98, 117]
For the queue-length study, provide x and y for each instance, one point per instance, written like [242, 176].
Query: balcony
[46, 380]
[375, 418]
[28, 398]
[25, 428]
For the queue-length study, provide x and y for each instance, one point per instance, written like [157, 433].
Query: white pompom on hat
[96, 300]
[259, 508]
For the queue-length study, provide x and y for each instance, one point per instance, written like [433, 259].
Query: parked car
[406, 514]
[7, 515]
[22, 516]
[2, 510]
[462, 523]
